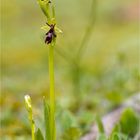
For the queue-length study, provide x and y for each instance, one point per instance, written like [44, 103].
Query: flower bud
[45, 5]
[28, 103]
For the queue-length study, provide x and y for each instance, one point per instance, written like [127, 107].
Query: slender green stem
[52, 95]
[88, 32]
[81, 50]
[30, 115]
[33, 129]
[32, 123]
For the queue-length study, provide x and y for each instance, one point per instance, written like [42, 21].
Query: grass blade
[100, 124]
[47, 120]
[38, 135]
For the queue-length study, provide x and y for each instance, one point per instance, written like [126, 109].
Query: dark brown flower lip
[50, 35]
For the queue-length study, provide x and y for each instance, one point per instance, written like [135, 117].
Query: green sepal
[47, 28]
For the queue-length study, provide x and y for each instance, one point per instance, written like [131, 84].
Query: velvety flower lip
[50, 35]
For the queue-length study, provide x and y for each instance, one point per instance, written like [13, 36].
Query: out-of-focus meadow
[105, 75]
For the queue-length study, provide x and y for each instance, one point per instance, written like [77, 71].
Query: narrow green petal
[46, 28]
[58, 30]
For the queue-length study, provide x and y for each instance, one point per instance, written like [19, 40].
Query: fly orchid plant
[51, 28]
[47, 6]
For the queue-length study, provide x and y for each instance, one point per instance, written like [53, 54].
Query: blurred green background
[104, 77]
